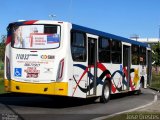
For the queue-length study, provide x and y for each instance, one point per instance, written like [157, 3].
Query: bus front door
[126, 66]
[92, 66]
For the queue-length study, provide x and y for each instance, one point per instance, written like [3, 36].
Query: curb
[130, 110]
[155, 89]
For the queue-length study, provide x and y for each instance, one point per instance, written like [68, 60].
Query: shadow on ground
[45, 101]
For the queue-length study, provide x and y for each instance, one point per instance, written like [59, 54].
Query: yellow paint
[61, 88]
[136, 76]
[6, 85]
[55, 88]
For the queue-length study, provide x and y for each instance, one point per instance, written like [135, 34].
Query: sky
[120, 17]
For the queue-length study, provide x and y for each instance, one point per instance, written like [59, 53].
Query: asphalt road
[37, 107]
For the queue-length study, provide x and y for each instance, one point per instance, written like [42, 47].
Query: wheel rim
[106, 92]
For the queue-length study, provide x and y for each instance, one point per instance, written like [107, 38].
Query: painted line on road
[130, 110]
[14, 113]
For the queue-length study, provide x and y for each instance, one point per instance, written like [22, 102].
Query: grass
[1, 74]
[1, 69]
[1, 78]
[1, 86]
[136, 116]
[1, 65]
[155, 83]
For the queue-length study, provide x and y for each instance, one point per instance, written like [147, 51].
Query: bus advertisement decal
[52, 38]
[32, 72]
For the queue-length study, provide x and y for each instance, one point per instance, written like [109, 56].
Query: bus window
[135, 55]
[36, 36]
[116, 52]
[142, 56]
[50, 29]
[78, 46]
[104, 50]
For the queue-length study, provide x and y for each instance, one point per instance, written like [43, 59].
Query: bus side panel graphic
[106, 73]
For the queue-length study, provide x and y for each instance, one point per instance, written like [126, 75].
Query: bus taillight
[60, 70]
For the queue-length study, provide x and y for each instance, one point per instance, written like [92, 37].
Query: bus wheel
[106, 91]
[137, 92]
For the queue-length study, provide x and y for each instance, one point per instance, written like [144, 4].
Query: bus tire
[137, 92]
[106, 92]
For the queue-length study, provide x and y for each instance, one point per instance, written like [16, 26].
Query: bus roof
[104, 34]
[85, 29]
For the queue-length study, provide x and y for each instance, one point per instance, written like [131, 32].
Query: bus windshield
[36, 36]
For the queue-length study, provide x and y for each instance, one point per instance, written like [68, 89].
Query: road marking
[130, 110]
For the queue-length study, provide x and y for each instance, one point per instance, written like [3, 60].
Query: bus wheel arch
[106, 91]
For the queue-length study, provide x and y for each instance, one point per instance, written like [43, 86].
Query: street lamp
[52, 16]
[158, 50]
[159, 34]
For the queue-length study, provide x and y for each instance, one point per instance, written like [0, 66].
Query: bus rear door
[126, 66]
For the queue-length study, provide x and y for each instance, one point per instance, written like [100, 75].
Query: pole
[158, 51]
[159, 34]
[158, 44]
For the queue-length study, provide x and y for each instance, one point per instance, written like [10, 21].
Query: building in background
[152, 42]
[146, 40]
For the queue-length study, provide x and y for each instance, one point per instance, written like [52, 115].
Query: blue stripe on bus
[104, 34]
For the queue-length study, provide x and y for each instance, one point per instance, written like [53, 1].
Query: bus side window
[135, 55]
[142, 56]
[104, 51]
[116, 52]
[78, 46]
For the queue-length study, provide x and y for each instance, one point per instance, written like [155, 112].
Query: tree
[156, 54]
[2, 47]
